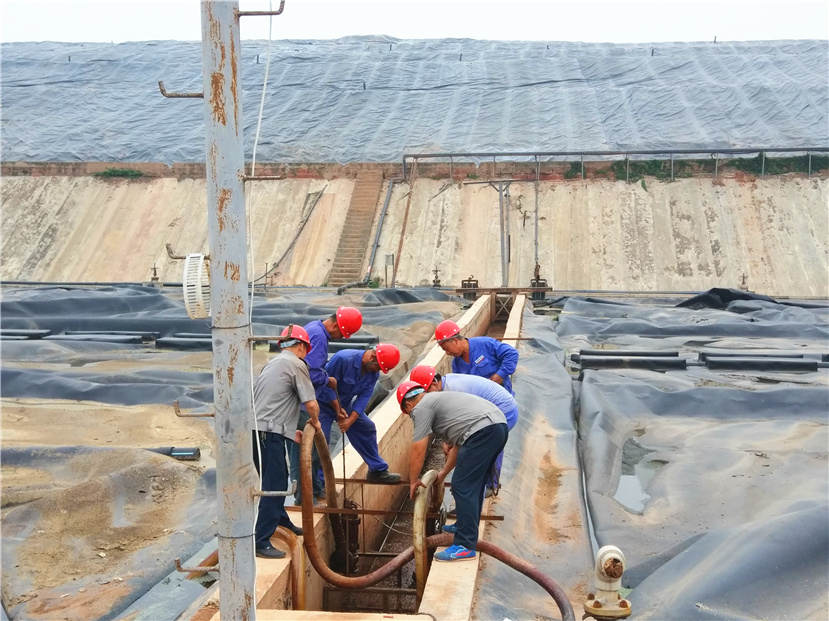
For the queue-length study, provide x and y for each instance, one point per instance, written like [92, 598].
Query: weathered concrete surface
[686, 235]
[85, 229]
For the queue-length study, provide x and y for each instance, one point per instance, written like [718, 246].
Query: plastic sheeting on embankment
[370, 99]
[714, 485]
[138, 308]
[92, 533]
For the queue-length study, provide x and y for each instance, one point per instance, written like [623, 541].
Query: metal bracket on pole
[179, 413]
[262, 13]
[178, 257]
[290, 492]
[200, 569]
[178, 95]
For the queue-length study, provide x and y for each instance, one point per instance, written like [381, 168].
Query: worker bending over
[342, 324]
[480, 431]
[356, 371]
[281, 387]
[432, 381]
[480, 355]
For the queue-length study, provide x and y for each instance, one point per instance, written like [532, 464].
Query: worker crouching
[479, 429]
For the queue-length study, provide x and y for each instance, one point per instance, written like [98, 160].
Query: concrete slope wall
[686, 235]
[85, 229]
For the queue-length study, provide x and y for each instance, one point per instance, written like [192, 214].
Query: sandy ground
[687, 235]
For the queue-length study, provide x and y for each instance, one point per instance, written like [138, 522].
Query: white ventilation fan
[196, 285]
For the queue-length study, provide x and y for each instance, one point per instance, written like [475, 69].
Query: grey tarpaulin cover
[374, 98]
[91, 531]
[713, 484]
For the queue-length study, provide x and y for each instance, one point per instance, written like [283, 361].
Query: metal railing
[535, 156]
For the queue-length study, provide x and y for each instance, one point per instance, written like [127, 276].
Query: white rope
[248, 217]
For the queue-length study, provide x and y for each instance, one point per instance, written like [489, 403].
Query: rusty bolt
[596, 604]
[613, 568]
[590, 596]
[624, 604]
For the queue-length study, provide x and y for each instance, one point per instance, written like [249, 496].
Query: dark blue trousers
[274, 473]
[475, 461]
[362, 435]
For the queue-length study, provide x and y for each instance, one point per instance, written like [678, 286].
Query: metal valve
[606, 603]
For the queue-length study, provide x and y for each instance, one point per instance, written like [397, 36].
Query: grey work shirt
[453, 415]
[281, 387]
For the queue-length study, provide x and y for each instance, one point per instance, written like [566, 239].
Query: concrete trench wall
[686, 235]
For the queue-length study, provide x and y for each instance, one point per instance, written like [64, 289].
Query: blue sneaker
[455, 553]
[450, 528]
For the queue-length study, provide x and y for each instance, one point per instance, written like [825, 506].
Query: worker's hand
[332, 383]
[440, 479]
[497, 378]
[316, 424]
[345, 423]
[446, 448]
[342, 414]
[413, 488]
[298, 436]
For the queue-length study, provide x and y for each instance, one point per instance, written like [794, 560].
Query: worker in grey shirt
[480, 431]
[281, 387]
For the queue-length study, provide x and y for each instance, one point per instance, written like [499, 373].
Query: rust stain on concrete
[217, 104]
[232, 271]
[234, 78]
[221, 209]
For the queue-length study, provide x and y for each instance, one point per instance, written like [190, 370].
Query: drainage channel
[396, 594]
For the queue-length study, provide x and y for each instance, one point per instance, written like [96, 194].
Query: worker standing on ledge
[342, 324]
[480, 431]
[432, 381]
[281, 387]
[356, 372]
[481, 355]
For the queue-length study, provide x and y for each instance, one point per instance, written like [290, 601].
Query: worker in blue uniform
[428, 377]
[342, 324]
[356, 372]
[479, 355]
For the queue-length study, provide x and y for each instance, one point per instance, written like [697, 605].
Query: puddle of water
[636, 474]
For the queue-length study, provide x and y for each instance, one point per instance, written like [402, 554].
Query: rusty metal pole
[236, 478]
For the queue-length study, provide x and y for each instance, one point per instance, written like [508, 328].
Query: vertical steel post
[236, 478]
[504, 274]
[536, 208]
[716, 164]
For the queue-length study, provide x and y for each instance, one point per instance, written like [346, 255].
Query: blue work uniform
[316, 360]
[486, 389]
[355, 388]
[487, 357]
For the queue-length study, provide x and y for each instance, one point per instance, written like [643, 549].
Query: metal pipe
[421, 556]
[297, 566]
[236, 477]
[504, 275]
[536, 207]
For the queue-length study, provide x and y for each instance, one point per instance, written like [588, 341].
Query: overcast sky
[584, 20]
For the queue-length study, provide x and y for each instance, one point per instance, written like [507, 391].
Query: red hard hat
[349, 320]
[387, 356]
[423, 374]
[404, 388]
[446, 330]
[297, 332]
